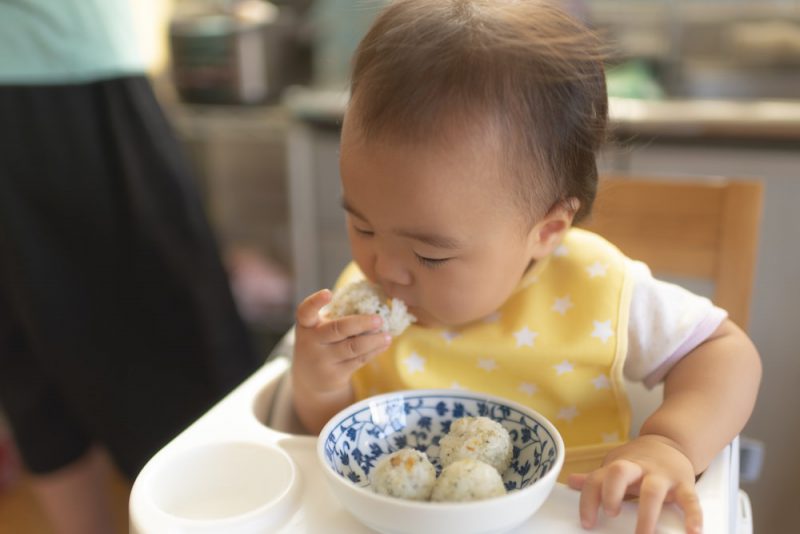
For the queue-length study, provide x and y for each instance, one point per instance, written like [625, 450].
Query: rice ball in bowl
[467, 479]
[478, 438]
[355, 440]
[407, 474]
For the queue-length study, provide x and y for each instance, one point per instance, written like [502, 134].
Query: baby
[467, 153]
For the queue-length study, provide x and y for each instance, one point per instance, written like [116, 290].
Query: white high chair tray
[289, 476]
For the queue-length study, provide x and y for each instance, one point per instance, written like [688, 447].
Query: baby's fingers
[359, 347]
[346, 327]
[308, 310]
[620, 475]
[687, 500]
[652, 494]
[351, 366]
[590, 487]
[577, 480]
[607, 485]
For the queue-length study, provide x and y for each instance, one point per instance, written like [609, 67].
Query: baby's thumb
[308, 310]
[576, 481]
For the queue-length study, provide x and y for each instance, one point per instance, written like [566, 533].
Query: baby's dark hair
[521, 68]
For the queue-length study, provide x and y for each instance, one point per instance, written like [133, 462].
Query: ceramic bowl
[236, 487]
[354, 439]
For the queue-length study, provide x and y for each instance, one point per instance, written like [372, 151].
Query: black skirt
[117, 324]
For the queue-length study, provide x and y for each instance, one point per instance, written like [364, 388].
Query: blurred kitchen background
[256, 91]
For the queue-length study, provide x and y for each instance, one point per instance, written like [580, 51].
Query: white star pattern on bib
[450, 336]
[487, 364]
[562, 305]
[602, 330]
[414, 363]
[568, 413]
[561, 251]
[563, 367]
[529, 280]
[528, 389]
[597, 269]
[525, 337]
[613, 437]
[601, 382]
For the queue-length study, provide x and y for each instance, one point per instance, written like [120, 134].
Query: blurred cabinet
[239, 154]
[319, 239]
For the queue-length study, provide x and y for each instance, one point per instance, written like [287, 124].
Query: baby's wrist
[314, 407]
[666, 440]
[316, 394]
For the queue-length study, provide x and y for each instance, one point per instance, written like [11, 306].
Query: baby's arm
[326, 354]
[708, 397]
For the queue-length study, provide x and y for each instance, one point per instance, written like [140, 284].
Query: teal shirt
[67, 41]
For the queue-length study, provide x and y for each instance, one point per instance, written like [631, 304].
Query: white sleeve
[666, 322]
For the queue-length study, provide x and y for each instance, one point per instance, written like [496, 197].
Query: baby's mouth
[392, 295]
[423, 319]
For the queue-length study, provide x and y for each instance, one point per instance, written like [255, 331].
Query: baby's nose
[391, 272]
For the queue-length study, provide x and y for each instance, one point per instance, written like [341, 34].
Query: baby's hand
[327, 352]
[649, 466]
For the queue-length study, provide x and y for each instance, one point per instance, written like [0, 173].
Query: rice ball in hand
[468, 480]
[364, 298]
[479, 438]
[407, 474]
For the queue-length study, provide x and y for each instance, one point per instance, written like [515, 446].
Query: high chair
[701, 228]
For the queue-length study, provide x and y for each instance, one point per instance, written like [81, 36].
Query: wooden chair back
[699, 228]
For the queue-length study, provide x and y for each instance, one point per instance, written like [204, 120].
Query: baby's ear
[546, 234]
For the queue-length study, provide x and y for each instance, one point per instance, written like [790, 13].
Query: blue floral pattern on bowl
[391, 422]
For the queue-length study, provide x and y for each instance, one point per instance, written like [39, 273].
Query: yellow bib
[558, 345]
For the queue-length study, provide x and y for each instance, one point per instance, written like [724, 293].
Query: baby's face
[434, 227]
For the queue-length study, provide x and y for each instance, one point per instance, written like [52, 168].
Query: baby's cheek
[461, 309]
[364, 266]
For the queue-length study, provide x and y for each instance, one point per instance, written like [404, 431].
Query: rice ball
[406, 473]
[468, 480]
[479, 438]
[364, 298]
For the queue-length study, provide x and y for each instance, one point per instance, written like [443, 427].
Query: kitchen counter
[719, 119]
[757, 120]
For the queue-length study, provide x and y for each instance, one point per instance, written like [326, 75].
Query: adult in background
[117, 326]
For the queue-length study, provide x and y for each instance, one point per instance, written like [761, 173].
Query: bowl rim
[286, 497]
[476, 395]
